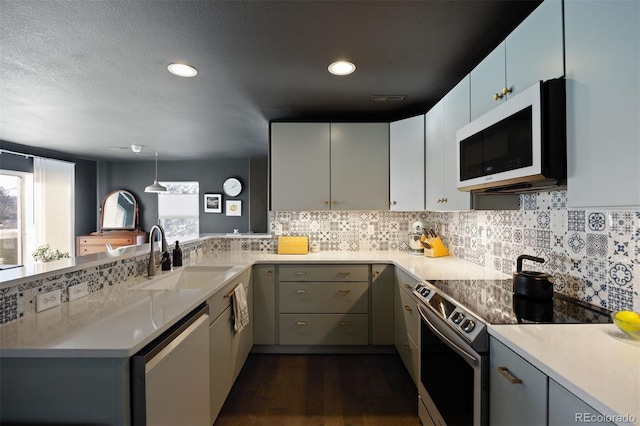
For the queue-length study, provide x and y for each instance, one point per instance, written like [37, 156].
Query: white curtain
[54, 203]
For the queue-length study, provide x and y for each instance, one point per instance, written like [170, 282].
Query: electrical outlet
[47, 300]
[77, 291]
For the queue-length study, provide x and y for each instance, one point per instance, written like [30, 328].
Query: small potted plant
[45, 253]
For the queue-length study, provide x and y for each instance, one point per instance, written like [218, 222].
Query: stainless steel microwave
[518, 146]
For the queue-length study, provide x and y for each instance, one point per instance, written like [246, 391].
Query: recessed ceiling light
[342, 68]
[182, 70]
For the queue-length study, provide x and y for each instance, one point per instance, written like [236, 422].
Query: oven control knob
[457, 317]
[418, 287]
[425, 292]
[468, 326]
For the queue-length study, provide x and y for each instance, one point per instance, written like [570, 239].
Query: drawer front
[323, 297]
[324, 329]
[406, 313]
[82, 250]
[324, 273]
[405, 281]
[220, 301]
[408, 351]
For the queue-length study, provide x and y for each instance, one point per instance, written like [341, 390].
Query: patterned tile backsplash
[594, 255]
[591, 254]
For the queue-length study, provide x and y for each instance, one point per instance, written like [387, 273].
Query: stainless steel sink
[190, 277]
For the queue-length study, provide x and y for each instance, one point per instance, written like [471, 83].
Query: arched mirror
[119, 211]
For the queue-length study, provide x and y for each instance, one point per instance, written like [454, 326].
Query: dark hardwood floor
[322, 390]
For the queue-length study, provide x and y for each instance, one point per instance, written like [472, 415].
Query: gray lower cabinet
[567, 409]
[517, 390]
[382, 289]
[264, 304]
[407, 323]
[323, 305]
[228, 349]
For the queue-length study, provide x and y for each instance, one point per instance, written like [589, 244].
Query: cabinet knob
[497, 96]
[408, 308]
[334, 202]
[326, 203]
[376, 273]
[407, 286]
[393, 203]
[444, 200]
[506, 90]
[407, 347]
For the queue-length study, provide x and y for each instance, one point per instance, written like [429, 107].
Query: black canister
[177, 255]
[166, 261]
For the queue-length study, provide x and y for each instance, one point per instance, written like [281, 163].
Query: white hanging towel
[240, 308]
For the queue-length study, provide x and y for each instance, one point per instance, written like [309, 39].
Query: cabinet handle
[408, 308]
[407, 347]
[344, 291]
[301, 290]
[300, 274]
[345, 323]
[513, 379]
[344, 274]
[301, 323]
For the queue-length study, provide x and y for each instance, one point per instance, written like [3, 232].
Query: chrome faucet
[165, 247]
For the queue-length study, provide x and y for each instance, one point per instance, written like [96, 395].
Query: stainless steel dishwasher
[170, 376]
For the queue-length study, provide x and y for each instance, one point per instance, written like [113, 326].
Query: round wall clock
[232, 187]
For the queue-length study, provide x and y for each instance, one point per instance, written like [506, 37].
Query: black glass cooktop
[495, 303]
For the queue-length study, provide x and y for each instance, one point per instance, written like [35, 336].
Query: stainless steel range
[454, 346]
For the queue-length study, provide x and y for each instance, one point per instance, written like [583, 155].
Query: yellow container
[437, 249]
[293, 245]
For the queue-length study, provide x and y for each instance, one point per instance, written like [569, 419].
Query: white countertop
[118, 321]
[596, 362]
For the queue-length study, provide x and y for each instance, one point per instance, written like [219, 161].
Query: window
[178, 210]
[36, 206]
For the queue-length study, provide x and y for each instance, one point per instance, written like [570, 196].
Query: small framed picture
[234, 208]
[213, 203]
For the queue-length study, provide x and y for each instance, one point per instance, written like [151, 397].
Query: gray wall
[135, 176]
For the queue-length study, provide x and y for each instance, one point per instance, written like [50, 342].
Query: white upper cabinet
[359, 166]
[603, 103]
[329, 166]
[300, 166]
[406, 164]
[441, 125]
[532, 52]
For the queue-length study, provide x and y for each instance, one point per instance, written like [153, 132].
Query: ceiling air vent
[388, 98]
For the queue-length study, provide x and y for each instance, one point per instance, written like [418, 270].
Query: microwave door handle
[470, 358]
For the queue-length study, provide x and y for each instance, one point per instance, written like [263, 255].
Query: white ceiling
[88, 77]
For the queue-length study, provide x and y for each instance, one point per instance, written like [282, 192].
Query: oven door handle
[470, 358]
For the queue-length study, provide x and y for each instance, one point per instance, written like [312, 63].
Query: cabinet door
[406, 164]
[264, 305]
[567, 409]
[517, 390]
[434, 156]
[300, 167]
[602, 47]
[535, 48]
[382, 288]
[221, 375]
[359, 166]
[456, 113]
[487, 78]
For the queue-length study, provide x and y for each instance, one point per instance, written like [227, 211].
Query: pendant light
[156, 187]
